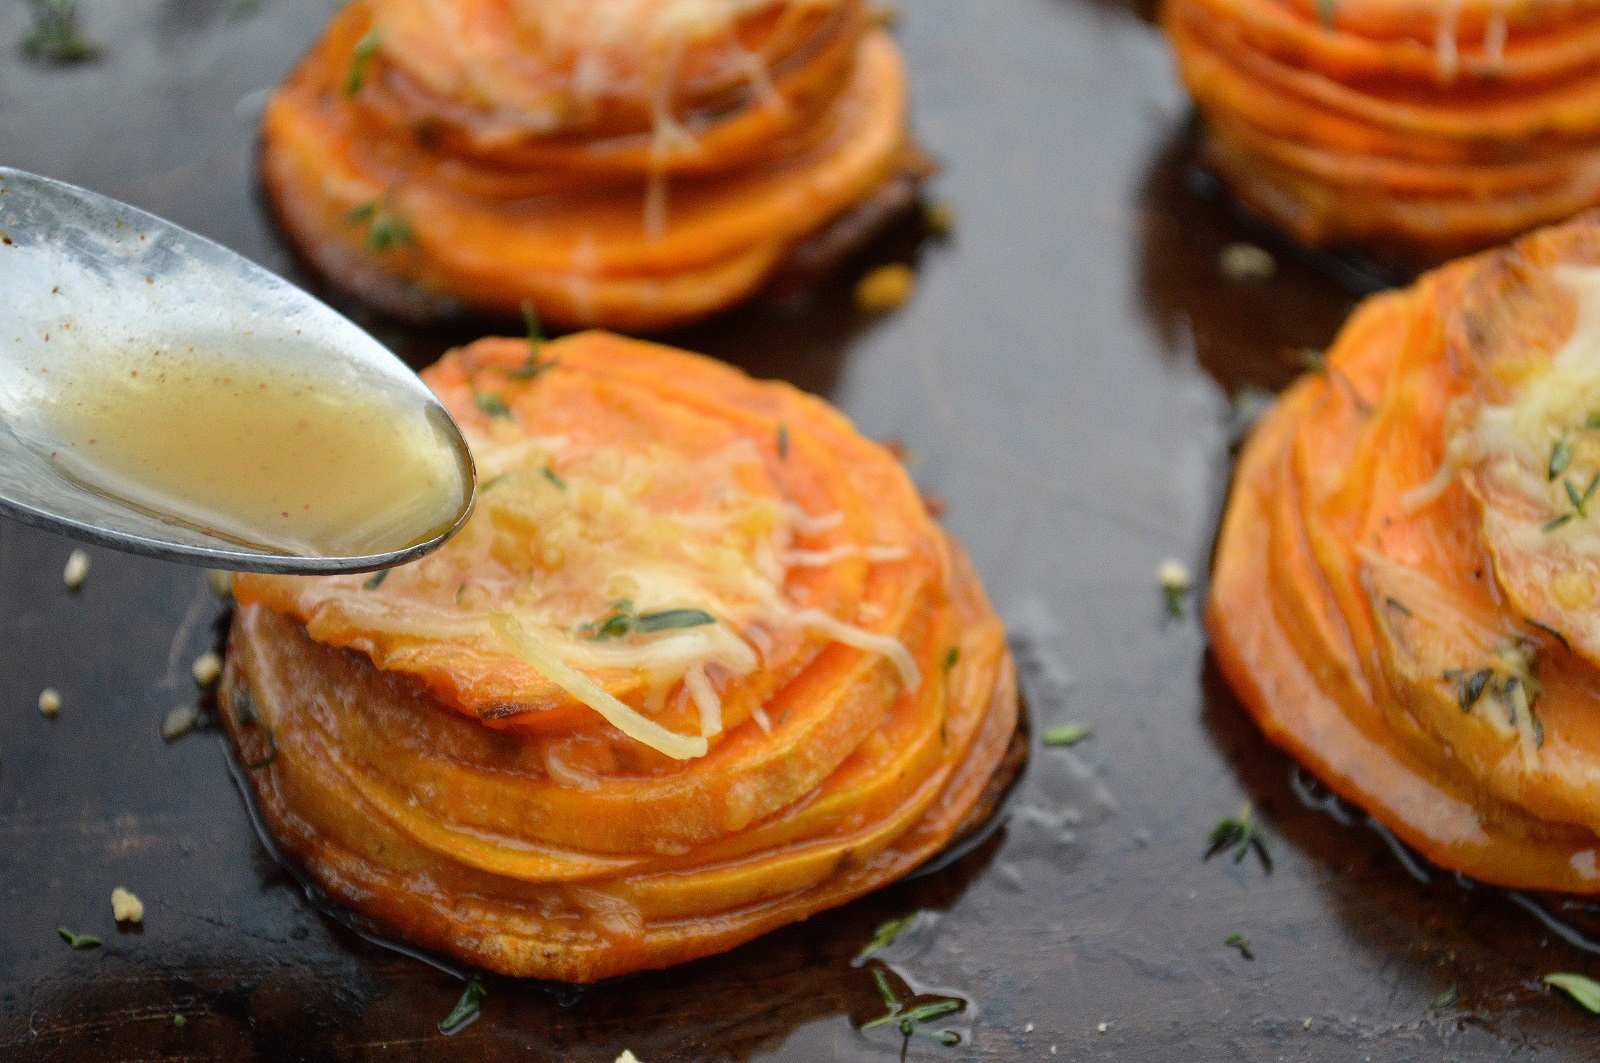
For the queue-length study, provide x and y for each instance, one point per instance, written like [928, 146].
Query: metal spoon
[121, 271]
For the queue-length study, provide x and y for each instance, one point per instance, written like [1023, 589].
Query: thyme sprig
[1240, 942]
[623, 620]
[79, 941]
[908, 1019]
[55, 37]
[1241, 834]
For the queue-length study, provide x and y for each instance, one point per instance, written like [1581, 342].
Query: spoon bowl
[89, 280]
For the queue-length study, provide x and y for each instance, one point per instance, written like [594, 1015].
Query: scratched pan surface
[1063, 377]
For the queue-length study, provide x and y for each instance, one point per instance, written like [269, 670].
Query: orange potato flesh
[1355, 615]
[1411, 135]
[543, 842]
[649, 205]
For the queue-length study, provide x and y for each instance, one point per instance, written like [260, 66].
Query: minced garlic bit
[1102, 1028]
[179, 722]
[125, 907]
[1247, 264]
[885, 288]
[77, 570]
[220, 581]
[206, 668]
[49, 702]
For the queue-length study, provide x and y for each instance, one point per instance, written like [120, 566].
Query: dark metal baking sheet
[1064, 377]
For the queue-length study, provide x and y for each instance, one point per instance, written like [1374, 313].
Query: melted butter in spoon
[280, 459]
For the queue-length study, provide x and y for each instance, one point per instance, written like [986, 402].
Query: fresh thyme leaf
[1593, 420]
[535, 331]
[622, 620]
[490, 403]
[360, 57]
[389, 231]
[1066, 734]
[55, 37]
[615, 624]
[885, 990]
[952, 656]
[1240, 942]
[1558, 522]
[79, 941]
[1588, 492]
[1327, 12]
[363, 212]
[1241, 834]
[1548, 630]
[1573, 497]
[550, 474]
[466, 1009]
[1312, 360]
[884, 936]
[1585, 991]
[532, 367]
[783, 441]
[671, 619]
[491, 481]
[1398, 606]
[1446, 999]
[934, 1009]
[1472, 689]
[375, 580]
[1560, 456]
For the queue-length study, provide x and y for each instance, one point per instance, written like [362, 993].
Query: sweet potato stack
[1407, 586]
[699, 665]
[1418, 131]
[636, 164]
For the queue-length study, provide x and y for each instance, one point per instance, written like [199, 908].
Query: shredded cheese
[705, 699]
[636, 726]
[887, 645]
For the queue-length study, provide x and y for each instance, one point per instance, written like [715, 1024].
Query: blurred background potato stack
[1413, 129]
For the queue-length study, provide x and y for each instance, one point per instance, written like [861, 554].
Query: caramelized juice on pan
[280, 459]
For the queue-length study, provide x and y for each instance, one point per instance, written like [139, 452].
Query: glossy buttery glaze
[295, 461]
